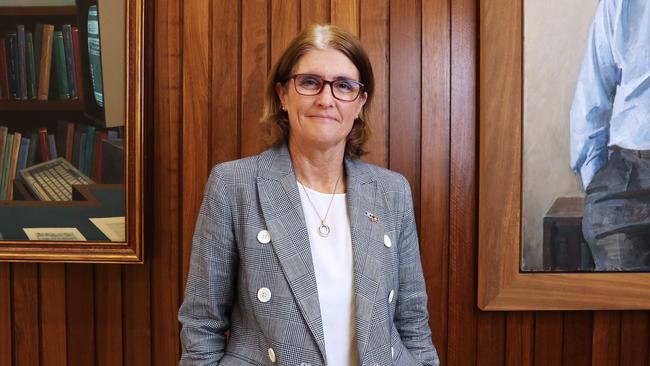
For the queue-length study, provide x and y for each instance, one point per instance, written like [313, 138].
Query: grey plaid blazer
[229, 265]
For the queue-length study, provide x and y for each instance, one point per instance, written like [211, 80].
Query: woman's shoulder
[386, 177]
[239, 171]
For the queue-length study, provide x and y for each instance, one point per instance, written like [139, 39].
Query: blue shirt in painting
[611, 106]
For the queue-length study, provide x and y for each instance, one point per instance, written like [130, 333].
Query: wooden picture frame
[132, 134]
[501, 284]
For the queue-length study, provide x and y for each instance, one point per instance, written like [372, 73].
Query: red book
[97, 156]
[45, 146]
[4, 76]
[77, 60]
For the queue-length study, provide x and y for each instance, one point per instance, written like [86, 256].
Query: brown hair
[319, 37]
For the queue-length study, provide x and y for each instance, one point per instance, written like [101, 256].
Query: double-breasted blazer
[264, 291]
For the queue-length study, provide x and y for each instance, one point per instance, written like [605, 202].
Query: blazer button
[387, 242]
[263, 237]
[390, 296]
[271, 355]
[264, 294]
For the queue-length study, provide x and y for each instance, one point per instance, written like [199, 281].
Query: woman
[306, 254]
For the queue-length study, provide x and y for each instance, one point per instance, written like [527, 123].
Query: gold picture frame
[501, 284]
[111, 250]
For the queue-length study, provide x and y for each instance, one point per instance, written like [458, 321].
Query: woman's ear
[282, 93]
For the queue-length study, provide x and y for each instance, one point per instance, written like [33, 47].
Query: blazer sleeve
[411, 315]
[211, 281]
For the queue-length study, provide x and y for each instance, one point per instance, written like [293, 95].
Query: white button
[264, 294]
[392, 352]
[272, 355]
[263, 237]
[390, 296]
[387, 241]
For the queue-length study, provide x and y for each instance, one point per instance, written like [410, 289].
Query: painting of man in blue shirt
[610, 136]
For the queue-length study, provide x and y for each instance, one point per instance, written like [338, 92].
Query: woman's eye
[345, 86]
[310, 82]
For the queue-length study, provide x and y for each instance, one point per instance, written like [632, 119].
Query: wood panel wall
[209, 62]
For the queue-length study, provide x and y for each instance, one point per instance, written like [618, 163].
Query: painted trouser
[616, 220]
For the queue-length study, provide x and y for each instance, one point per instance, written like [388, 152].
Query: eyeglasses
[345, 90]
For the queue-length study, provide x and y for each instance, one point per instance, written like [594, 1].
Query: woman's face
[321, 120]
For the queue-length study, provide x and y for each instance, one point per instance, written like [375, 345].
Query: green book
[4, 131]
[31, 68]
[5, 166]
[90, 141]
[60, 67]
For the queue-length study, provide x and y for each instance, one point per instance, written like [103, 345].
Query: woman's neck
[319, 170]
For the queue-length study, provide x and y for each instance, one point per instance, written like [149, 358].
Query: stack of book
[80, 144]
[40, 64]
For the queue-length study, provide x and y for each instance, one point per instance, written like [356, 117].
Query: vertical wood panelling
[434, 176]
[491, 340]
[606, 340]
[548, 338]
[373, 32]
[345, 14]
[137, 325]
[284, 25]
[80, 315]
[25, 306]
[519, 330]
[210, 63]
[462, 313]
[226, 43]
[576, 338]
[314, 11]
[405, 88]
[634, 338]
[165, 263]
[254, 64]
[108, 314]
[52, 318]
[196, 115]
[5, 314]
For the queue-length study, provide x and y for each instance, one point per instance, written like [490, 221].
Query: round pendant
[323, 230]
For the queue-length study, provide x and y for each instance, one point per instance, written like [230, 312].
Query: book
[21, 62]
[22, 155]
[61, 133]
[12, 67]
[70, 61]
[38, 44]
[51, 141]
[15, 149]
[45, 62]
[33, 149]
[97, 156]
[43, 142]
[77, 57]
[69, 141]
[75, 147]
[5, 166]
[94, 55]
[3, 140]
[31, 69]
[60, 67]
[90, 139]
[4, 77]
[82, 151]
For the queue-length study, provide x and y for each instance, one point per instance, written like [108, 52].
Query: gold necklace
[323, 229]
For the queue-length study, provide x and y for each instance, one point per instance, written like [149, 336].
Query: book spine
[5, 166]
[3, 140]
[31, 69]
[38, 44]
[69, 141]
[45, 65]
[60, 67]
[22, 155]
[77, 58]
[33, 149]
[52, 145]
[42, 139]
[22, 62]
[90, 139]
[12, 165]
[82, 151]
[94, 55]
[4, 76]
[70, 61]
[12, 66]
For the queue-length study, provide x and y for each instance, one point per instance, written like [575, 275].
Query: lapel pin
[374, 218]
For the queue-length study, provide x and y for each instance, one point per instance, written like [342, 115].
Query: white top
[333, 264]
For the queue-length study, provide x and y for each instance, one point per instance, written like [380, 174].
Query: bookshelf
[56, 115]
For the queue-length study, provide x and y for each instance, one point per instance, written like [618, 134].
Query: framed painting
[533, 254]
[72, 137]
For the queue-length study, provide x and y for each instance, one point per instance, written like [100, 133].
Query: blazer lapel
[282, 210]
[364, 197]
